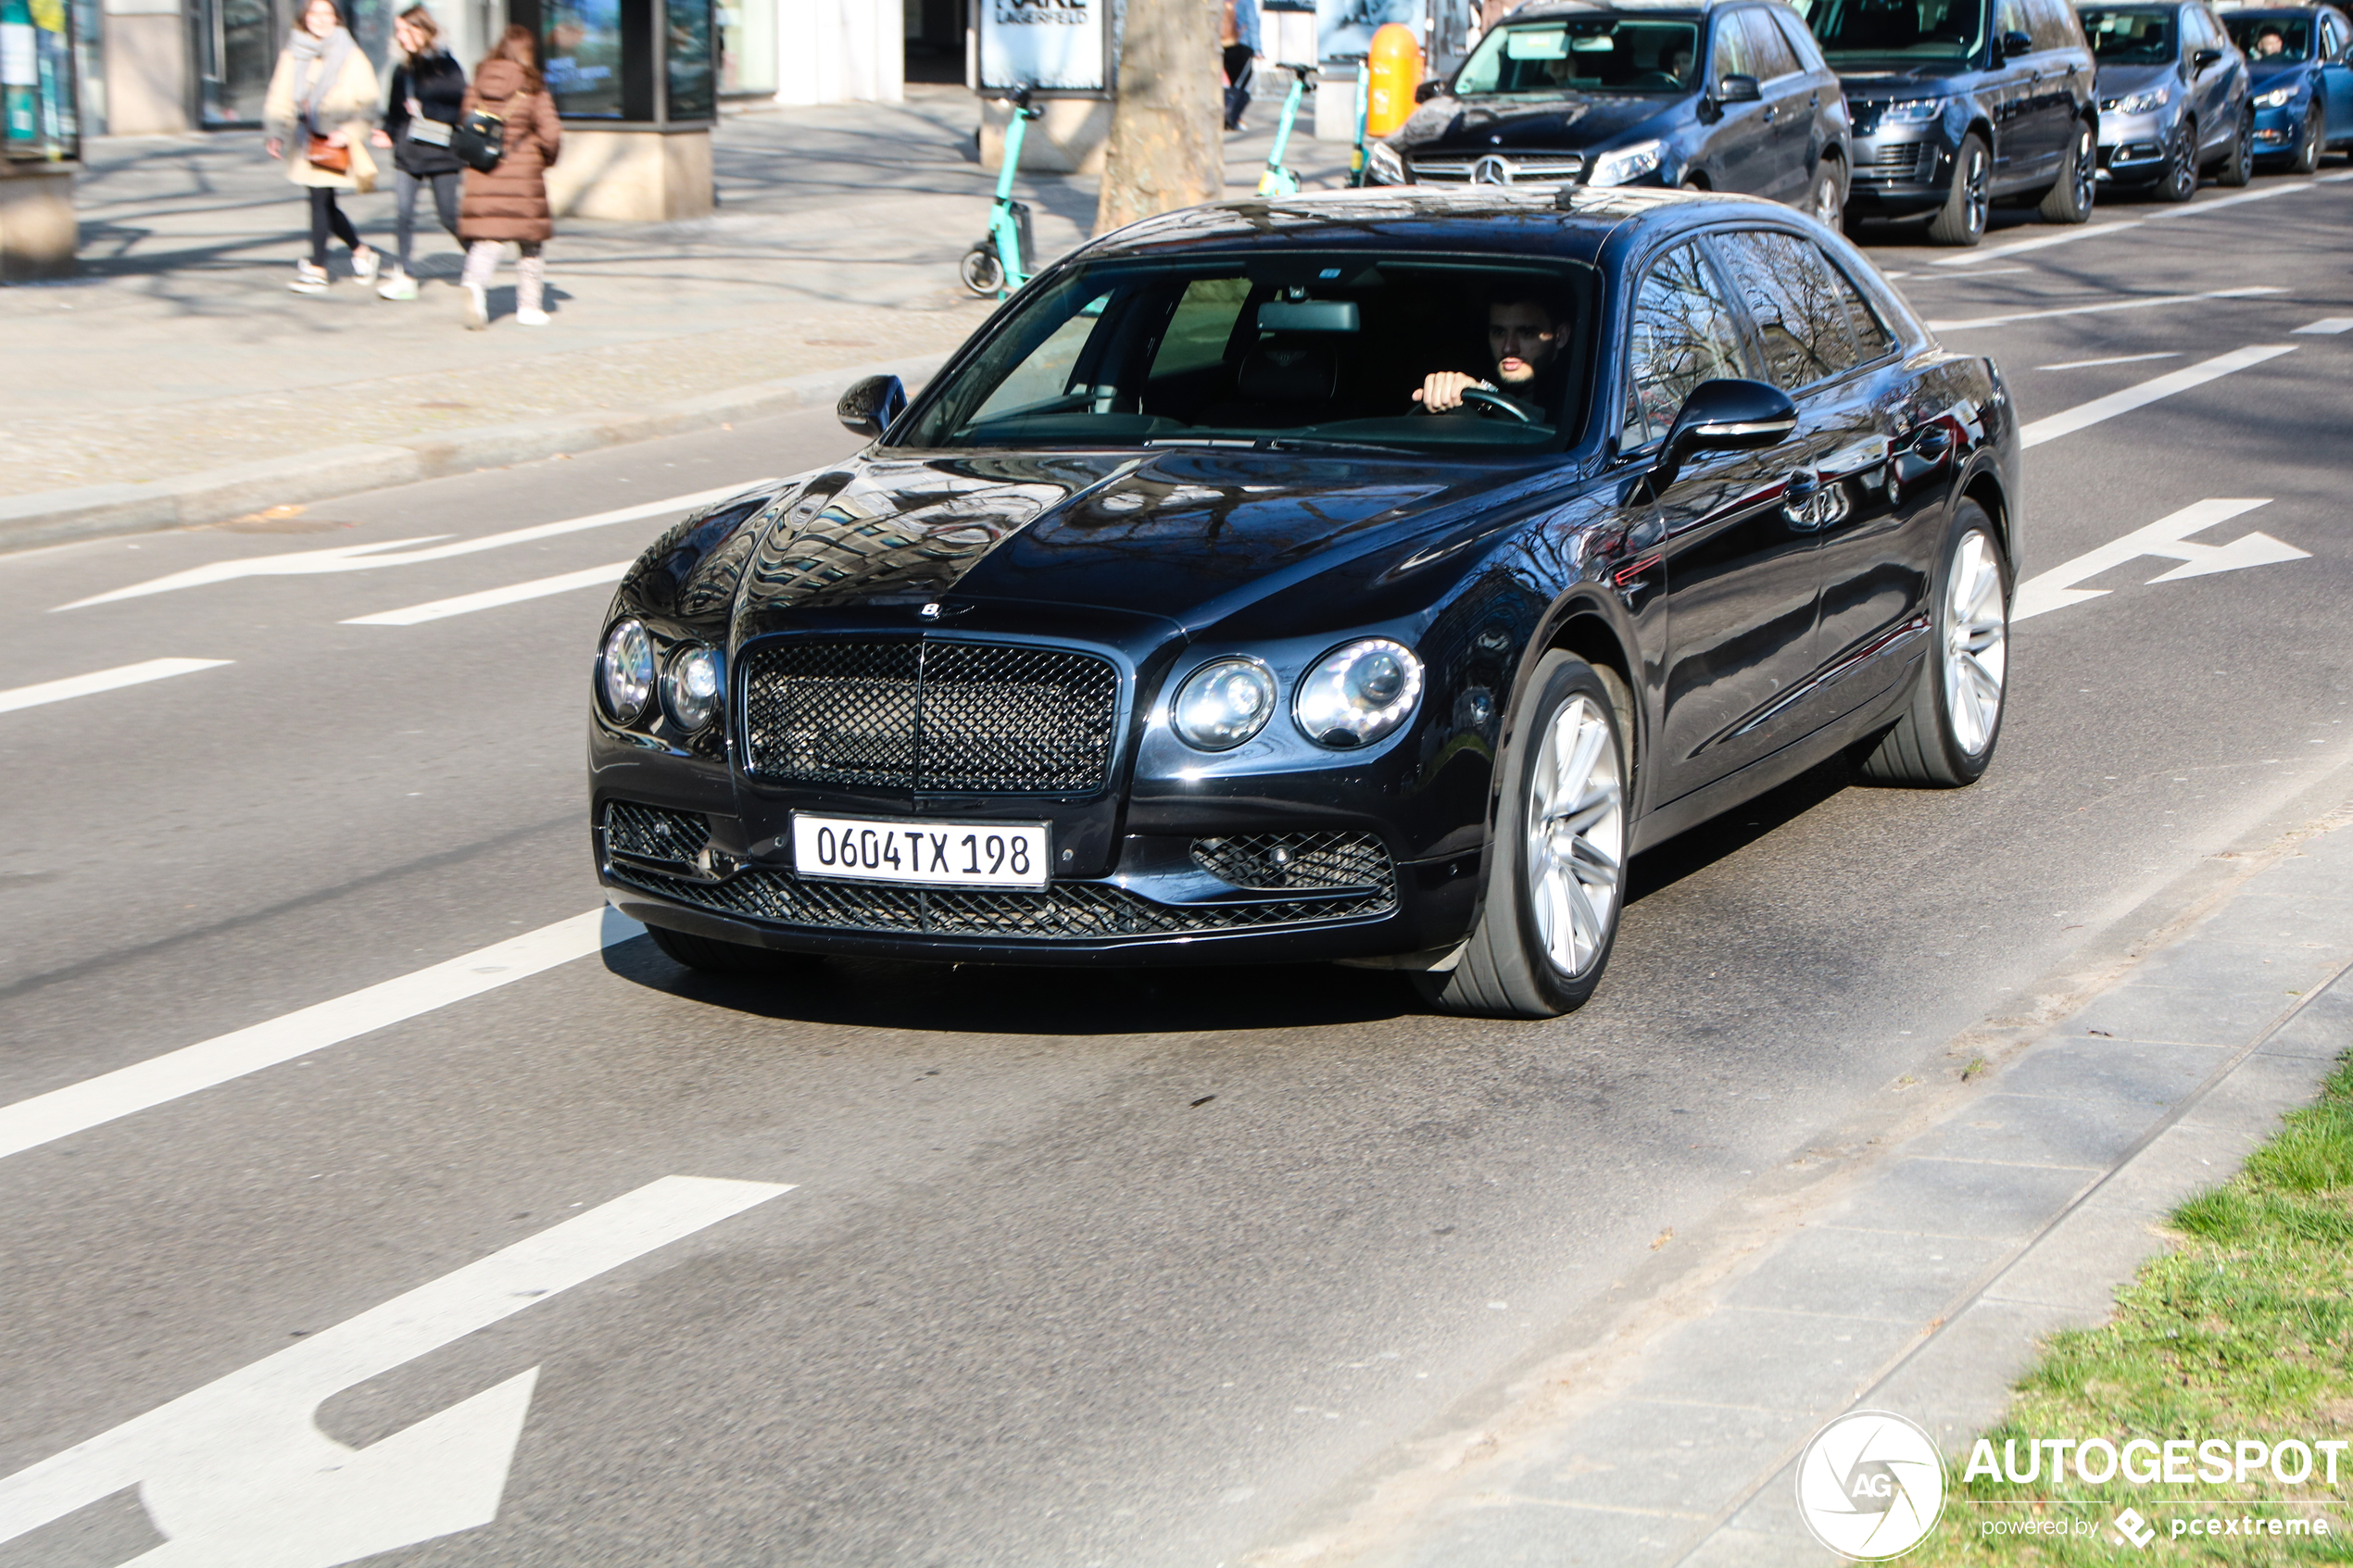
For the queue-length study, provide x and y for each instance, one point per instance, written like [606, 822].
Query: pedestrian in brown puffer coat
[511, 201]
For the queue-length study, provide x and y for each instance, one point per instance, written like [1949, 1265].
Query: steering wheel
[1496, 402]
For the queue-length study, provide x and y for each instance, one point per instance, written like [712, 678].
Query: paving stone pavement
[1920, 1281]
[179, 349]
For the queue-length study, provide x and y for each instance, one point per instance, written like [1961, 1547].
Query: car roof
[1491, 219]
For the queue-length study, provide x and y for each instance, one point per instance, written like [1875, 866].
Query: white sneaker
[477, 308]
[531, 317]
[397, 286]
[309, 279]
[364, 264]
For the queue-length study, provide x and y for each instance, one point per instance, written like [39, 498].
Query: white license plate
[923, 854]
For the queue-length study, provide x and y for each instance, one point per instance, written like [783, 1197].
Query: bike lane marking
[2067, 421]
[2167, 536]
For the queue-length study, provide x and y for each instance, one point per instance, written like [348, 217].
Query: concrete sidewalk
[179, 351]
[1907, 1260]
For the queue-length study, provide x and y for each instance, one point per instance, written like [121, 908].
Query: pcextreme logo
[1870, 1485]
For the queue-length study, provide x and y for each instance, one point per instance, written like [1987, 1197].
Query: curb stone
[56, 517]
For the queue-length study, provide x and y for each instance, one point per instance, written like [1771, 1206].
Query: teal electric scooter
[999, 262]
[1356, 154]
[1279, 180]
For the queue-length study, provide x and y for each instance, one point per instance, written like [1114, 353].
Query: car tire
[2178, 181]
[710, 955]
[2316, 139]
[1949, 731]
[2070, 201]
[2238, 167]
[982, 272]
[1828, 202]
[1961, 221]
[1555, 874]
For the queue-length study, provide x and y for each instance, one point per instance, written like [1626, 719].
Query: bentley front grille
[972, 717]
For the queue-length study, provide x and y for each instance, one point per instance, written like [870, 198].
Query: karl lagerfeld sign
[1052, 45]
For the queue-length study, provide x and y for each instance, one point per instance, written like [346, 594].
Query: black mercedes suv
[1723, 96]
[1959, 102]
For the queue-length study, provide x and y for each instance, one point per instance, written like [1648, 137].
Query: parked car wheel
[2179, 182]
[2070, 201]
[981, 271]
[1828, 204]
[1961, 221]
[2316, 138]
[1556, 875]
[711, 956]
[2239, 166]
[1946, 735]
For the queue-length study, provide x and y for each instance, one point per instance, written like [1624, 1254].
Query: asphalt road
[1072, 1269]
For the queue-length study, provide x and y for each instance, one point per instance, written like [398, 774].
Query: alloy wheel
[2181, 165]
[1976, 642]
[1576, 835]
[1981, 202]
[2086, 171]
[1828, 208]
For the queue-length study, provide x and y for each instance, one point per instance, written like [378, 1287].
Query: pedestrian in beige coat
[324, 88]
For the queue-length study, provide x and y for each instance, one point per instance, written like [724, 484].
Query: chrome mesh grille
[1297, 863]
[652, 833]
[981, 718]
[1069, 911]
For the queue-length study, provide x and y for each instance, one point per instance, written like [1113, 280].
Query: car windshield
[1904, 31]
[1593, 54]
[1293, 350]
[2130, 35]
[2280, 40]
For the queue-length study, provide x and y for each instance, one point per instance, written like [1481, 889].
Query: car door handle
[1768, 113]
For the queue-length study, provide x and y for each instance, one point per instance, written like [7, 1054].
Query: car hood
[1570, 120]
[2260, 73]
[2117, 81]
[1185, 536]
[1935, 79]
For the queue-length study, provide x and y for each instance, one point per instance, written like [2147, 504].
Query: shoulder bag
[479, 140]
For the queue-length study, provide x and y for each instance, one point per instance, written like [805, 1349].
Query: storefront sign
[1052, 45]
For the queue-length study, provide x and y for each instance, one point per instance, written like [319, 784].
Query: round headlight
[1356, 694]
[1223, 704]
[627, 671]
[690, 687]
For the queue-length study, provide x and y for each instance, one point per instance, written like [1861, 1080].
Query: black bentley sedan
[1360, 576]
[1712, 94]
[1959, 103]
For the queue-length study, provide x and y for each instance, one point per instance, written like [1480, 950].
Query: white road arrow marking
[2085, 415]
[491, 598]
[103, 681]
[2142, 302]
[390, 552]
[237, 1473]
[2167, 537]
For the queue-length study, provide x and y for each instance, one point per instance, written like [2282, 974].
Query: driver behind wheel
[1526, 329]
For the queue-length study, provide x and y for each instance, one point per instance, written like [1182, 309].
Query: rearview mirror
[2016, 43]
[869, 406]
[1737, 89]
[1724, 416]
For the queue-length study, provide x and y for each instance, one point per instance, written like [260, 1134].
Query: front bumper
[2280, 132]
[1221, 896]
[1898, 173]
[2132, 148]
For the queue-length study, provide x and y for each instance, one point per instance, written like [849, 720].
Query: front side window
[1853, 32]
[1593, 54]
[1800, 321]
[1683, 333]
[2130, 35]
[1277, 350]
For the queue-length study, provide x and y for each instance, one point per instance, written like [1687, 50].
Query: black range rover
[1960, 103]
[1708, 96]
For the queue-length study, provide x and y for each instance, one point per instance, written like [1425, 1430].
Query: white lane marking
[2084, 415]
[491, 598]
[2113, 359]
[2167, 536]
[2090, 230]
[363, 557]
[2327, 326]
[237, 1475]
[1992, 271]
[2143, 303]
[103, 680]
[79, 1107]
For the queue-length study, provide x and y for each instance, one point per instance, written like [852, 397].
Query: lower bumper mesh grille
[652, 833]
[1898, 160]
[1069, 911]
[1296, 862]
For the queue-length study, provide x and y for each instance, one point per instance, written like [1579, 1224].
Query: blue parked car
[2297, 57]
[2173, 97]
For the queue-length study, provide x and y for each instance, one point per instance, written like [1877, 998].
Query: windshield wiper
[1333, 443]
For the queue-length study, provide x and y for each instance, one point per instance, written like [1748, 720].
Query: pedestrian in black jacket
[428, 95]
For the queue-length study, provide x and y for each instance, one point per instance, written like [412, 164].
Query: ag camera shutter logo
[1870, 1485]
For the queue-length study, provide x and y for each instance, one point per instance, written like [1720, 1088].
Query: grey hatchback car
[2174, 101]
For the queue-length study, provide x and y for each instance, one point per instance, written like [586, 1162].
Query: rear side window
[1793, 300]
[1871, 337]
[1201, 326]
[1769, 51]
[1684, 333]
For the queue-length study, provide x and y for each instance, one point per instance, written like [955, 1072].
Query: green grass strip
[2245, 1329]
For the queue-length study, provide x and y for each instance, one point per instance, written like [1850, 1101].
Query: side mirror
[1429, 90]
[1738, 89]
[2204, 59]
[869, 406]
[1724, 416]
[2015, 44]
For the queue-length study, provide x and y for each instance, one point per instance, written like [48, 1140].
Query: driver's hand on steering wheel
[1443, 390]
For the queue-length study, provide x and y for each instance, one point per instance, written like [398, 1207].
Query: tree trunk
[1167, 130]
